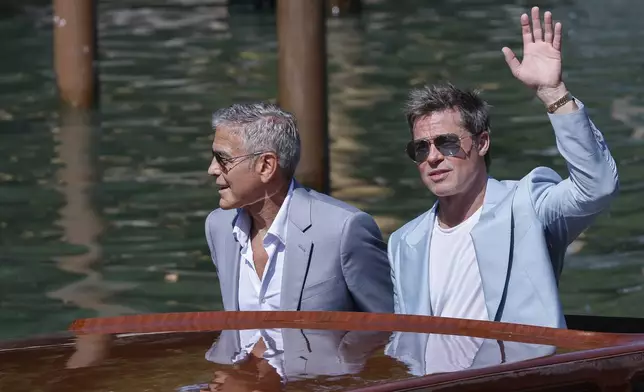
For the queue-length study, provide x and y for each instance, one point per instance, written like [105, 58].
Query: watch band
[559, 103]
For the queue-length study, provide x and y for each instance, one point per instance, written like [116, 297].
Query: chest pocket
[330, 294]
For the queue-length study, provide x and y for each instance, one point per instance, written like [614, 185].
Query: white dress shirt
[257, 294]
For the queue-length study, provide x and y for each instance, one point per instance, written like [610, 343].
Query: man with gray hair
[277, 245]
[494, 250]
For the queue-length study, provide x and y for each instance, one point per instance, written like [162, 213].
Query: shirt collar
[278, 228]
[241, 229]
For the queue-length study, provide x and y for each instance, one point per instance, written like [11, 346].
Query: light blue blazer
[523, 232]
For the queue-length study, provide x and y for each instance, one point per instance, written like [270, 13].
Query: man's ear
[483, 143]
[267, 166]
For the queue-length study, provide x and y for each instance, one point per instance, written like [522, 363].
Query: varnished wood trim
[210, 321]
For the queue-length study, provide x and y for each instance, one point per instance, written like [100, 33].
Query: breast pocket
[330, 294]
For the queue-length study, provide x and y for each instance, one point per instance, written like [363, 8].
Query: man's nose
[214, 169]
[435, 157]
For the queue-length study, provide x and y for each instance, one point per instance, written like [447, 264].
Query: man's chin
[225, 205]
[442, 190]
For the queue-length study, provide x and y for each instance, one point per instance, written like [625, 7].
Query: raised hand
[541, 66]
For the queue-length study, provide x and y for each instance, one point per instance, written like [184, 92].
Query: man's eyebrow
[224, 154]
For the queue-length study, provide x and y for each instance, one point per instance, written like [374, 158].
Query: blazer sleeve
[365, 264]
[567, 207]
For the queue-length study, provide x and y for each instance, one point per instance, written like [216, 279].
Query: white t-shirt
[455, 287]
[455, 290]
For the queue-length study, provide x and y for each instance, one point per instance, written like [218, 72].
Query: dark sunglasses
[448, 144]
[223, 161]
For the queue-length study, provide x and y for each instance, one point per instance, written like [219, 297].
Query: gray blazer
[335, 257]
[311, 353]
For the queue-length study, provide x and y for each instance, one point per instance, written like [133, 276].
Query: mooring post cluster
[302, 71]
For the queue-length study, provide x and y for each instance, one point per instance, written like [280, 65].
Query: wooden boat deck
[170, 352]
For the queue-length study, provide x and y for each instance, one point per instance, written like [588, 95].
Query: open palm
[541, 65]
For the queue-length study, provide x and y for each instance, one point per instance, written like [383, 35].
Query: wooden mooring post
[74, 27]
[302, 80]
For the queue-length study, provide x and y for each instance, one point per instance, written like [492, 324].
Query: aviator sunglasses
[448, 144]
[223, 161]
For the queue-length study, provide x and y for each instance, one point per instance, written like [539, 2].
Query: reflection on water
[124, 231]
[269, 359]
[426, 354]
[78, 218]
[307, 360]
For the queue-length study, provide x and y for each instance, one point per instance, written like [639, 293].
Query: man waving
[488, 249]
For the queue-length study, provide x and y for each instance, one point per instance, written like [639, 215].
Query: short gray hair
[475, 116]
[263, 126]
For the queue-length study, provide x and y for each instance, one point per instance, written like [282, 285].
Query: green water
[104, 215]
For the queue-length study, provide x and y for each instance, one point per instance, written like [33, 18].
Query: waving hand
[540, 68]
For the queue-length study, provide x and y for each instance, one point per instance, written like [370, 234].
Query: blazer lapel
[492, 242]
[232, 252]
[298, 250]
[415, 274]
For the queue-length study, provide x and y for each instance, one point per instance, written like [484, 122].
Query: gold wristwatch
[559, 103]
